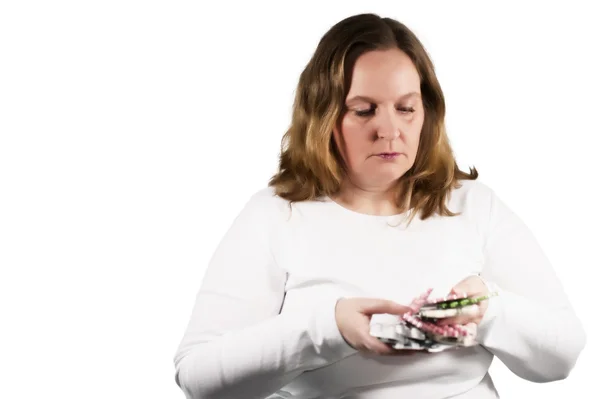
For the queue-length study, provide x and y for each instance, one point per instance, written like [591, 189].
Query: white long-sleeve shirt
[263, 324]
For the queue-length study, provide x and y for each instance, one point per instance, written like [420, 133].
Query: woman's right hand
[353, 316]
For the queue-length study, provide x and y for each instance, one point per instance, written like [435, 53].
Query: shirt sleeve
[237, 344]
[530, 326]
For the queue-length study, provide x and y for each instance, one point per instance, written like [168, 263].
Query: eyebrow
[370, 100]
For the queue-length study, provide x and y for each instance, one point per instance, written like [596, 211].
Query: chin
[393, 170]
[391, 178]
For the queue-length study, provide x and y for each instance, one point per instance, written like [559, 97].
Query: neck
[380, 202]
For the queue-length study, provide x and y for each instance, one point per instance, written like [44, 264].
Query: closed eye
[371, 111]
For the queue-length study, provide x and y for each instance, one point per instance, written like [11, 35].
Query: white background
[132, 133]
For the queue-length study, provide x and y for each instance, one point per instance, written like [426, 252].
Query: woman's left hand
[472, 286]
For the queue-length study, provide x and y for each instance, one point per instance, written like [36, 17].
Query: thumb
[374, 305]
[457, 290]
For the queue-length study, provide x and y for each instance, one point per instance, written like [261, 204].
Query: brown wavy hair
[310, 165]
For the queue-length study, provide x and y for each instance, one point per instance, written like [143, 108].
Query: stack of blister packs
[418, 329]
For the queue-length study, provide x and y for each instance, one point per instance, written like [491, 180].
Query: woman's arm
[236, 344]
[531, 326]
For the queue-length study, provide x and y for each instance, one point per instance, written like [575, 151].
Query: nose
[389, 126]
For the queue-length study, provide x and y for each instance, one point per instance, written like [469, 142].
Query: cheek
[356, 138]
[414, 135]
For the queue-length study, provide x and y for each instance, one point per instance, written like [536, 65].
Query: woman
[286, 301]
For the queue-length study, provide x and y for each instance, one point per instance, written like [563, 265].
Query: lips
[388, 155]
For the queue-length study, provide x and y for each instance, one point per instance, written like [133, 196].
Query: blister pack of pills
[418, 328]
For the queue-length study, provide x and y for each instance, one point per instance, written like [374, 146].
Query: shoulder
[266, 202]
[475, 200]
[473, 193]
[481, 203]
[266, 196]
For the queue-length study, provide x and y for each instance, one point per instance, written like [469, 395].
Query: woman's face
[384, 114]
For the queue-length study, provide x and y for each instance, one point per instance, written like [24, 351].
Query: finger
[374, 305]
[472, 328]
[462, 319]
[446, 321]
[376, 346]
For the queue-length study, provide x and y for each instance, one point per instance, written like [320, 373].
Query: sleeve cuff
[492, 312]
[326, 335]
